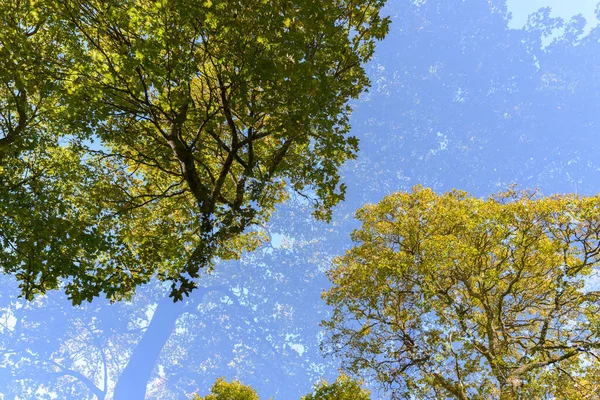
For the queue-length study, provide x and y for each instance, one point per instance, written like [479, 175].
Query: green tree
[49, 227]
[449, 296]
[343, 388]
[234, 390]
[204, 116]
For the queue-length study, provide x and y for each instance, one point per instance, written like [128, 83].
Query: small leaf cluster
[344, 388]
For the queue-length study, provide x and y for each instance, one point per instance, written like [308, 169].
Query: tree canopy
[147, 138]
[458, 99]
[343, 388]
[234, 390]
[450, 296]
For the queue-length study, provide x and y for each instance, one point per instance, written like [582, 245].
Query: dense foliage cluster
[234, 390]
[144, 139]
[453, 296]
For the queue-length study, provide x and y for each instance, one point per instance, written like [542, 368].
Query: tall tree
[206, 115]
[209, 113]
[175, 129]
[449, 296]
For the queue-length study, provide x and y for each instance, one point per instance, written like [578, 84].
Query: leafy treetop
[186, 122]
[343, 388]
[234, 390]
[450, 296]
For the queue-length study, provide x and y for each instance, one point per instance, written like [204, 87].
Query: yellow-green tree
[203, 116]
[234, 390]
[450, 296]
[344, 388]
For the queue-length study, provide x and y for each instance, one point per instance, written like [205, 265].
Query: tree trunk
[134, 379]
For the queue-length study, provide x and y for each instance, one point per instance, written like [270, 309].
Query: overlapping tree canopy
[146, 138]
[458, 100]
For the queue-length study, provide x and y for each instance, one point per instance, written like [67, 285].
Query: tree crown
[203, 117]
[450, 296]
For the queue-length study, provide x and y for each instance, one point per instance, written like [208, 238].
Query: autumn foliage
[451, 296]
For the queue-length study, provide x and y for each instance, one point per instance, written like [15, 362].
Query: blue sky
[560, 8]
